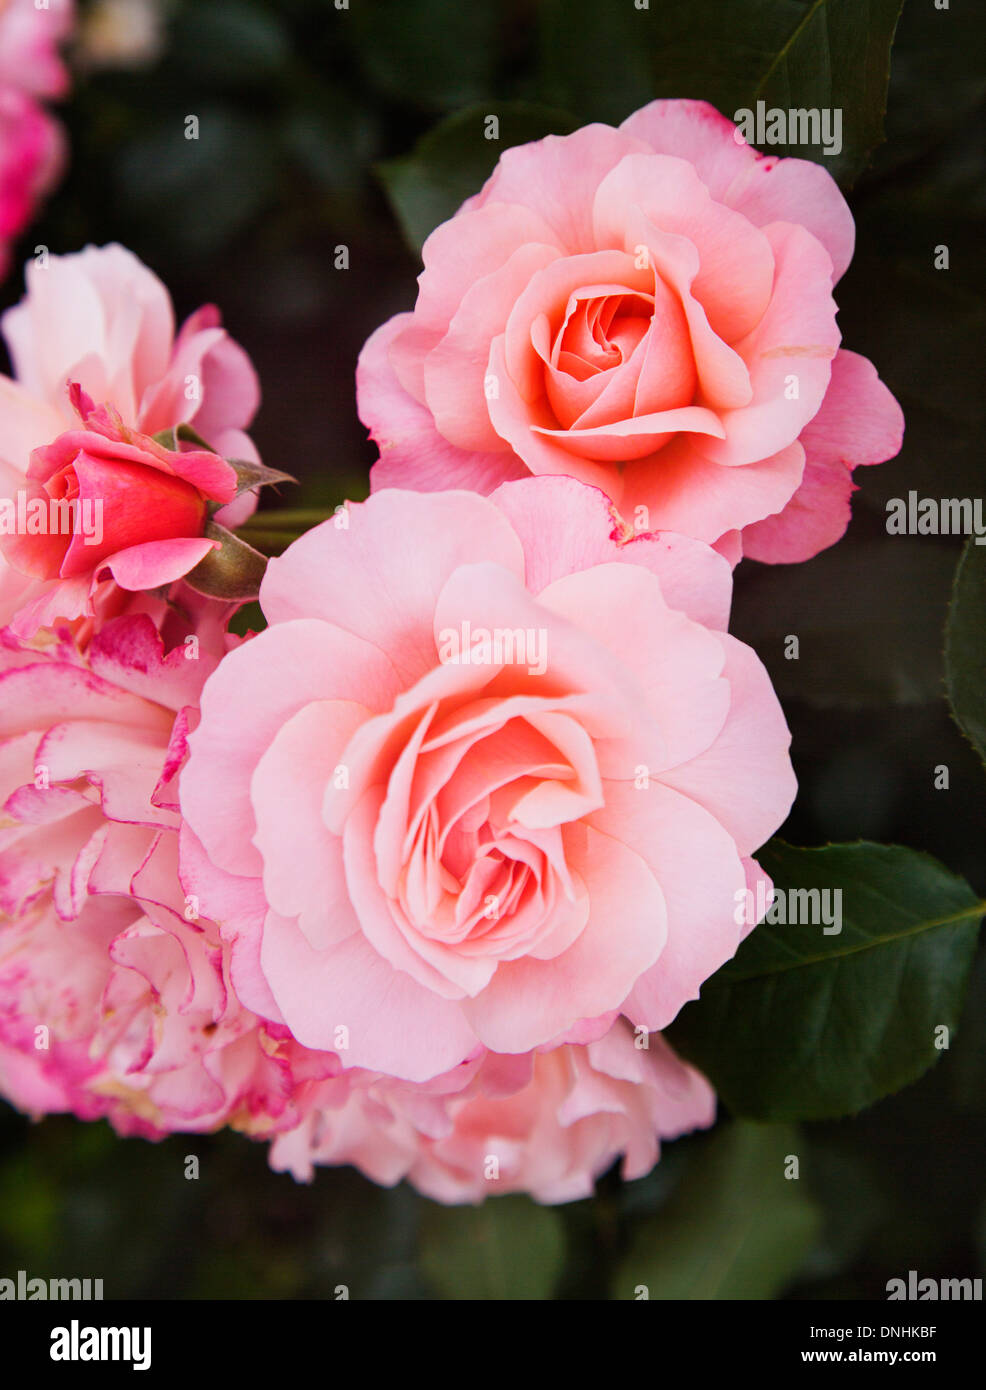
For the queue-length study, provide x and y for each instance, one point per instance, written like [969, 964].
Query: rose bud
[106, 498]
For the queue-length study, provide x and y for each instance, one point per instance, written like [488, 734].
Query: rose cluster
[414, 877]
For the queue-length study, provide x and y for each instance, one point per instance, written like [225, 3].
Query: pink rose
[32, 154]
[546, 1123]
[99, 322]
[115, 998]
[119, 1000]
[32, 149]
[488, 778]
[30, 36]
[649, 310]
[130, 506]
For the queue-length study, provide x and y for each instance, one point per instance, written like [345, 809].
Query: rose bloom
[545, 1123]
[115, 997]
[135, 509]
[32, 155]
[491, 775]
[96, 329]
[649, 310]
[118, 999]
[31, 143]
[30, 36]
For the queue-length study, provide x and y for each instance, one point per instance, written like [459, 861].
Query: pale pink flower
[546, 1123]
[649, 310]
[118, 997]
[32, 156]
[97, 329]
[30, 37]
[441, 845]
[115, 997]
[32, 146]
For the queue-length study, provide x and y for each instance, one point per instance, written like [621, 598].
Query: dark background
[298, 103]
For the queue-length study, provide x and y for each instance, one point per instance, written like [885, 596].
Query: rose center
[601, 331]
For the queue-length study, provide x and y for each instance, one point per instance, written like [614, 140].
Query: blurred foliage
[508, 1249]
[302, 110]
[739, 1225]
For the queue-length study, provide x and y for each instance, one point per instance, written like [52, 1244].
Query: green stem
[288, 519]
[268, 540]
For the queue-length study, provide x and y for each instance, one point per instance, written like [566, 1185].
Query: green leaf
[453, 161]
[965, 646]
[232, 572]
[175, 435]
[249, 618]
[168, 439]
[184, 433]
[250, 475]
[508, 1248]
[736, 1228]
[804, 1025]
[832, 54]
